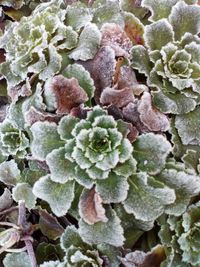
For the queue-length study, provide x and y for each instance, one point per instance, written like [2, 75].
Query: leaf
[113, 189]
[45, 139]
[158, 34]
[62, 170]
[71, 237]
[88, 44]
[58, 196]
[173, 103]
[151, 151]
[185, 18]
[110, 254]
[187, 126]
[134, 28]
[63, 94]
[134, 7]
[9, 172]
[114, 37]
[17, 260]
[23, 191]
[153, 196]
[140, 59]
[118, 98]
[83, 76]
[49, 225]
[91, 208]
[78, 15]
[110, 232]
[150, 116]
[159, 8]
[5, 200]
[47, 252]
[107, 11]
[51, 264]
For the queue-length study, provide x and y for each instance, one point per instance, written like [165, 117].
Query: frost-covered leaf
[185, 18]
[114, 37]
[133, 28]
[118, 98]
[58, 196]
[62, 94]
[185, 185]
[91, 208]
[17, 260]
[78, 15]
[45, 139]
[71, 236]
[141, 60]
[110, 232]
[23, 191]
[151, 151]
[173, 103]
[5, 199]
[135, 7]
[158, 34]
[153, 197]
[88, 44]
[107, 11]
[188, 127]
[61, 168]
[66, 126]
[113, 189]
[150, 116]
[159, 8]
[9, 172]
[52, 264]
[102, 69]
[83, 76]
[49, 225]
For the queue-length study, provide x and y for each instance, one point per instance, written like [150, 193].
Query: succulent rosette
[171, 56]
[93, 151]
[180, 235]
[13, 141]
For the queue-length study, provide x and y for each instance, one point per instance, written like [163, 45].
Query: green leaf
[158, 34]
[107, 11]
[110, 232]
[45, 139]
[70, 237]
[159, 8]
[173, 103]
[17, 260]
[151, 151]
[141, 61]
[185, 18]
[23, 191]
[152, 196]
[134, 7]
[187, 126]
[88, 44]
[54, 64]
[78, 15]
[83, 76]
[66, 125]
[58, 196]
[113, 189]
[111, 253]
[9, 172]
[51, 264]
[61, 168]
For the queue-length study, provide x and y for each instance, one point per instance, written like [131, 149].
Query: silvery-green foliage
[92, 151]
[13, 141]
[170, 59]
[180, 236]
[49, 37]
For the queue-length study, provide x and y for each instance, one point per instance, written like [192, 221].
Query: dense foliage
[99, 133]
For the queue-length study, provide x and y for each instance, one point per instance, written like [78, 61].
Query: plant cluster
[99, 133]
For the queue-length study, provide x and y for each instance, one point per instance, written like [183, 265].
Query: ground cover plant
[99, 133]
